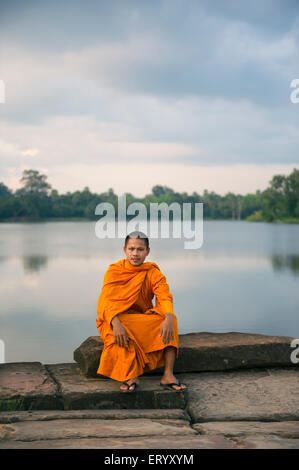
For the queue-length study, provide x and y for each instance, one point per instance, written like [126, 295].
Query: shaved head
[137, 235]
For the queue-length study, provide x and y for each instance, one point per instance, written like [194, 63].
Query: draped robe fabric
[128, 292]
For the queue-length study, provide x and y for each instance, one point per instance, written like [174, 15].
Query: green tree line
[37, 200]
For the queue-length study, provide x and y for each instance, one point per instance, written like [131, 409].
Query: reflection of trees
[34, 263]
[281, 262]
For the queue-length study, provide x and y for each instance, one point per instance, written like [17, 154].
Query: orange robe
[128, 292]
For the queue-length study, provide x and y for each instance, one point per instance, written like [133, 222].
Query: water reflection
[34, 264]
[286, 263]
[52, 273]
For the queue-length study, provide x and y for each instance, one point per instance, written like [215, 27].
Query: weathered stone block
[244, 395]
[206, 352]
[27, 386]
[80, 392]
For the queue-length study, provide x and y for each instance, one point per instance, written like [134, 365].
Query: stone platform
[235, 406]
[56, 406]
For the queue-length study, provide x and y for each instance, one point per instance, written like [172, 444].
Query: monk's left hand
[166, 330]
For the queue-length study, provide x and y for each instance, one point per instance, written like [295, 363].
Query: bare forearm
[168, 315]
[115, 320]
[166, 330]
[119, 333]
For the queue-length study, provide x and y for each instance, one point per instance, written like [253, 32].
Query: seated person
[137, 336]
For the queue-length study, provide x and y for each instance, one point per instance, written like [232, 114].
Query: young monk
[137, 336]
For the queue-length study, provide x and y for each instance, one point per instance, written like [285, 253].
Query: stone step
[33, 386]
[7, 417]
[206, 351]
[79, 392]
[269, 394]
[25, 386]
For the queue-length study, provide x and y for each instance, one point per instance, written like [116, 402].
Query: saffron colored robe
[128, 292]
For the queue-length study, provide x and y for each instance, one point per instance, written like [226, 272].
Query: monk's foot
[130, 387]
[170, 379]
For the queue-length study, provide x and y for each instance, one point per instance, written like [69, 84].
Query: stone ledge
[51, 415]
[25, 386]
[80, 392]
[206, 352]
[33, 386]
[260, 394]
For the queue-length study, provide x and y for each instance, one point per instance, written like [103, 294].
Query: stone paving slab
[255, 394]
[144, 442]
[119, 429]
[79, 392]
[105, 429]
[254, 434]
[48, 415]
[26, 385]
[93, 428]
[146, 433]
[266, 442]
[285, 429]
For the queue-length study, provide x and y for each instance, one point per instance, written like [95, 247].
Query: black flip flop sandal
[134, 384]
[171, 386]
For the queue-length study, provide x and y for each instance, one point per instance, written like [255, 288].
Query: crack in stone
[58, 393]
[234, 441]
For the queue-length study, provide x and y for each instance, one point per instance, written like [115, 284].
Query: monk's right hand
[119, 333]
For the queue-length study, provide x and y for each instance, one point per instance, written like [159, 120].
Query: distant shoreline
[290, 221]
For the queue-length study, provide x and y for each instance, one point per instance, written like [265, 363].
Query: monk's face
[136, 251]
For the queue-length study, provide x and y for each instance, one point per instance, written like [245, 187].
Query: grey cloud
[160, 68]
[191, 36]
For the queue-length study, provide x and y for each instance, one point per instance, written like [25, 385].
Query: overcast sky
[192, 94]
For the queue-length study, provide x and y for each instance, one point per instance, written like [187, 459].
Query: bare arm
[166, 330]
[119, 333]
[165, 300]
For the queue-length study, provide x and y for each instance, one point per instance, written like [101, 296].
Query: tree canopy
[37, 200]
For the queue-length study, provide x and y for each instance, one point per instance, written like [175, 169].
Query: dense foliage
[36, 200]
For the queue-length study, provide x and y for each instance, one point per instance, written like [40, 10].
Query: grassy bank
[257, 217]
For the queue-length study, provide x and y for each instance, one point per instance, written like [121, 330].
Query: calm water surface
[244, 278]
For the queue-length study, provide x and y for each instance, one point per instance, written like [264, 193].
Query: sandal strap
[173, 383]
[130, 385]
